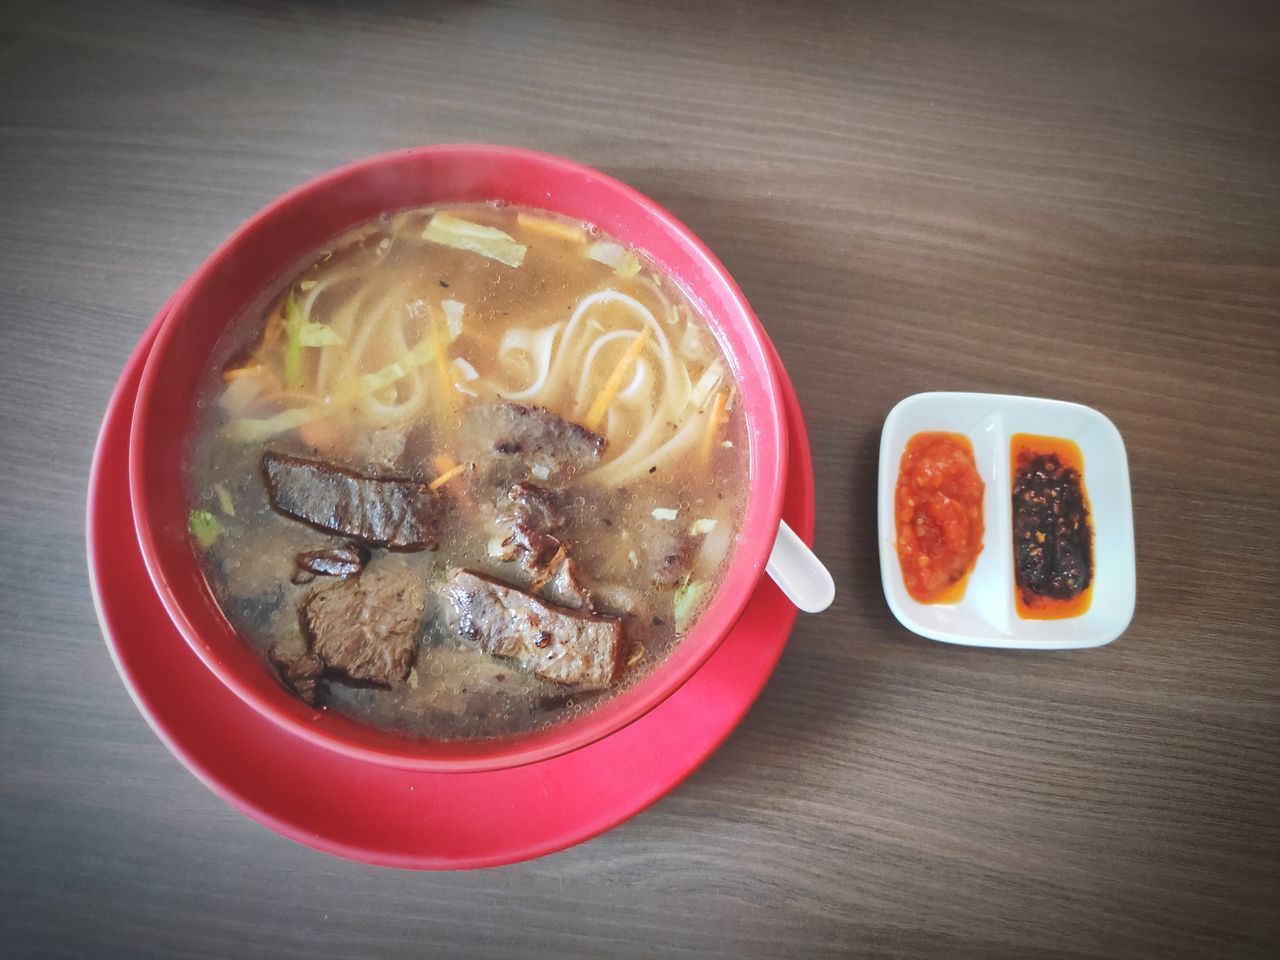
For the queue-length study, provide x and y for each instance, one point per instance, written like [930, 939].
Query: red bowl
[258, 254]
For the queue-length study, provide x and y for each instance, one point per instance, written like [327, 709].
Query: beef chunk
[527, 516]
[300, 673]
[533, 434]
[561, 585]
[364, 628]
[535, 549]
[343, 560]
[386, 512]
[552, 642]
[538, 505]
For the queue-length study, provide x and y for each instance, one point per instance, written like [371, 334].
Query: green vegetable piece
[319, 335]
[629, 267]
[687, 595]
[293, 343]
[451, 231]
[205, 527]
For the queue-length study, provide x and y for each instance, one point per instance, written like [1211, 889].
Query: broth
[482, 388]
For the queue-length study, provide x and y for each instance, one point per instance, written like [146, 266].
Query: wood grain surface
[1075, 200]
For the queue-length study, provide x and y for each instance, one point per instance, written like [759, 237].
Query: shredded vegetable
[705, 525]
[453, 317]
[270, 332]
[239, 373]
[225, 503]
[606, 252]
[448, 475]
[624, 264]
[205, 527]
[616, 378]
[714, 421]
[664, 513]
[293, 342]
[318, 335]
[685, 602]
[423, 352]
[451, 231]
[629, 266]
[550, 228]
[464, 372]
[707, 383]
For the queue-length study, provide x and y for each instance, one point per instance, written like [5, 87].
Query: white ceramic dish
[986, 615]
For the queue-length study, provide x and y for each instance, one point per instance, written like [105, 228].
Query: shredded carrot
[239, 373]
[445, 477]
[449, 394]
[271, 333]
[277, 393]
[714, 422]
[551, 228]
[614, 383]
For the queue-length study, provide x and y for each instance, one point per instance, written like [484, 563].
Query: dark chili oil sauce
[1052, 530]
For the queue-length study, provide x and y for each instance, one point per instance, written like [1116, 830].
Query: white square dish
[986, 615]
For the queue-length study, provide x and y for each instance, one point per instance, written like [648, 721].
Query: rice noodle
[538, 345]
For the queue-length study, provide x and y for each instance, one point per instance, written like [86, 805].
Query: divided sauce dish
[987, 614]
[258, 253]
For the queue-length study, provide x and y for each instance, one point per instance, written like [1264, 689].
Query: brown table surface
[1068, 200]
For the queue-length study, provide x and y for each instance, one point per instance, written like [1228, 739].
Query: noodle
[557, 365]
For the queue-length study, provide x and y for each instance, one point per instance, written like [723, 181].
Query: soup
[467, 472]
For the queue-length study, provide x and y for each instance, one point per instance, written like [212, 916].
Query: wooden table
[1070, 200]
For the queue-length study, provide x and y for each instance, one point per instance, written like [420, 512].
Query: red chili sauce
[938, 513]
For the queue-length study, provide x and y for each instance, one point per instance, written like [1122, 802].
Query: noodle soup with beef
[467, 472]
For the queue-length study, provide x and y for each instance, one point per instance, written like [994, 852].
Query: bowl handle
[800, 574]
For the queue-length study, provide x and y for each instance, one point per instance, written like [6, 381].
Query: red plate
[378, 814]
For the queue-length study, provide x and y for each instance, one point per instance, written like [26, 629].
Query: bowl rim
[767, 481]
